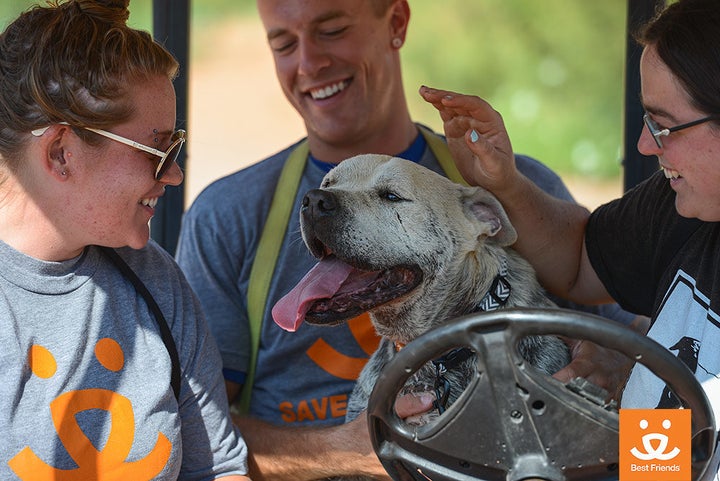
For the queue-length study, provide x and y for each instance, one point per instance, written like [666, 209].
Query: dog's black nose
[319, 202]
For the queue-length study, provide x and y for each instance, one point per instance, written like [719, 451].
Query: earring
[63, 173]
[397, 42]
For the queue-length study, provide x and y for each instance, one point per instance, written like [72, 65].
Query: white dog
[415, 250]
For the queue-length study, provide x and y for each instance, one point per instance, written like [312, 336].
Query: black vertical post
[637, 167]
[171, 28]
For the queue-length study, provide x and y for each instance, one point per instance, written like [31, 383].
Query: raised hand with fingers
[476, 136]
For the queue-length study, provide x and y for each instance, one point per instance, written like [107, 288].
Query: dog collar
[451, 360]
[495, 298]
[499, 292]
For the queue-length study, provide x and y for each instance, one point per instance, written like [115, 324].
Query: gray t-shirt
[85, 376]
[303, 377]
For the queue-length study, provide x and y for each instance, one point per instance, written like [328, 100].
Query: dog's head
[386, 231]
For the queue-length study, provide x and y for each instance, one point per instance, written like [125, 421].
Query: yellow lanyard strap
[267, 255]
[440, 149]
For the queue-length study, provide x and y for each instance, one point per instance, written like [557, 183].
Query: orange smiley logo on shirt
[341, 365]
[106, 464]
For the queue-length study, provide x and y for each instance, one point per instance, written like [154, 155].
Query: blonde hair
[72, 61]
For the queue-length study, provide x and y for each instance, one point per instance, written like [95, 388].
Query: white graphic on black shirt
[687, 351]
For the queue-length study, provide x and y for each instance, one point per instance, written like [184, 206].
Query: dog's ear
[493, 221]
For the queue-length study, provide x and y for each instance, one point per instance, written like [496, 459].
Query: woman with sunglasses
[107, 369]
[656, 251]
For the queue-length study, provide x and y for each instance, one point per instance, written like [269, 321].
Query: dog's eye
[390, 196]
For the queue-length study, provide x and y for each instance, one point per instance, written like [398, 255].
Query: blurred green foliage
[553, 68]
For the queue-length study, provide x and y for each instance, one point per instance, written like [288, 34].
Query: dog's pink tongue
[322, 282]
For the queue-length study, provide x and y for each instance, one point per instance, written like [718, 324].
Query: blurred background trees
[553, 68]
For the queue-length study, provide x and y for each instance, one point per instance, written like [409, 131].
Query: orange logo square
[655, 445]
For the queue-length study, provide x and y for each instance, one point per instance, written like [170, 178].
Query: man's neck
[380, 141]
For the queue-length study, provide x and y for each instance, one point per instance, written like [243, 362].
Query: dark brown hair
[685, 35]
[72, 61]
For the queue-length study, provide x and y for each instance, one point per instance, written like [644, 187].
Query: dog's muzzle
[318, 207]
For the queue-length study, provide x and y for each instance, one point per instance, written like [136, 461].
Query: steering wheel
[514, 423]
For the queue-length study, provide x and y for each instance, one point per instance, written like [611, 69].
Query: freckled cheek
[111, 203]
[100, 216]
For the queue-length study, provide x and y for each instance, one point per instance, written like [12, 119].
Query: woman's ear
[55, 152]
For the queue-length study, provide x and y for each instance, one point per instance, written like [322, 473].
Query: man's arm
[294, 454]
[299, 454]
[233, 390]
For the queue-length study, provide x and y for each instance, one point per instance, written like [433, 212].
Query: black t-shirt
[657, 263]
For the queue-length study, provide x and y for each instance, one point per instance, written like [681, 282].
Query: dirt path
[239, 115]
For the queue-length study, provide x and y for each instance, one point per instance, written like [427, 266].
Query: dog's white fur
[377, 212]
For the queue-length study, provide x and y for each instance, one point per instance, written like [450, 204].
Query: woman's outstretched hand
[476, 136]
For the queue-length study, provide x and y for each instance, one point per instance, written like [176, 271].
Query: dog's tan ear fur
[494, 223]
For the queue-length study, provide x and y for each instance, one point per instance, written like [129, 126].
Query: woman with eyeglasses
[107, 368]
[656, 251]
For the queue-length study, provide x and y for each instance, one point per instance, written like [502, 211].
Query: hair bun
[111, 11]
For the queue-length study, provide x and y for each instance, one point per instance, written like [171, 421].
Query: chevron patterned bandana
[496, 297]
[499, 292]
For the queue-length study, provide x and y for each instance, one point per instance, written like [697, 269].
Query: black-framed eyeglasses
[167, 157]
[657, 132]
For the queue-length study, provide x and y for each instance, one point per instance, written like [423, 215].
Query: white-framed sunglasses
[167, 157]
